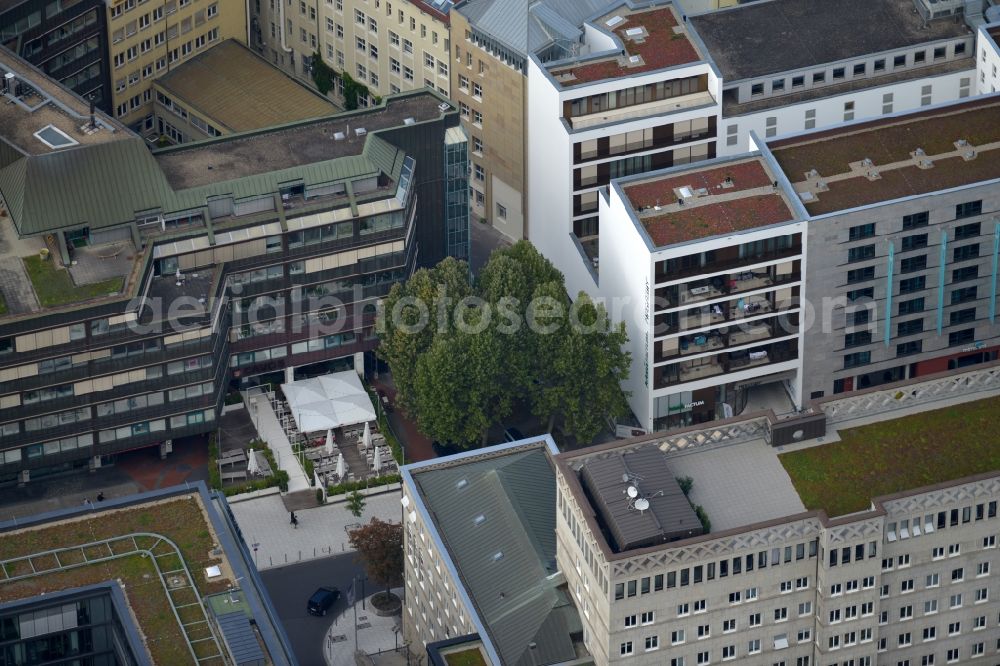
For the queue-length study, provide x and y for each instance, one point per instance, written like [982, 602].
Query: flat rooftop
[241, 155]
[765, 38]
[176, 530]
[652, 38]
[231, 85]
[720, 199]
[890, 158]
[45, 117]
[915, 451]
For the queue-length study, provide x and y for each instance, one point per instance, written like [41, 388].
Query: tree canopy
[380, 548]
[464, 353]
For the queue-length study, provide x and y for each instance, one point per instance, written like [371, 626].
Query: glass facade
[456, 184]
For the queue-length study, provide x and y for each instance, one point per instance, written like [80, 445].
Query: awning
[330, 401]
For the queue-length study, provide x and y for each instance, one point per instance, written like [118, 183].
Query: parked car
[445, 449]
[321, 600]
[512, 434]
[384, 399]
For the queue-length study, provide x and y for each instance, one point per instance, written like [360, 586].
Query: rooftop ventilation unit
[462, 483]
[614, 20]
[634, 60]
[338, 136]
[360, 131]
[409, 121]
[479, 520]
[634, 32]
[443, 106]
[497, 556]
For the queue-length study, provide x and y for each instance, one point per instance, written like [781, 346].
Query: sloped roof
[507, 21]
[99, 185]
[231, 85]
[505, 560]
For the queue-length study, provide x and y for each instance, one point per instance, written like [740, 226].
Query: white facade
[634, 291]
[861, 104]
[551, 145]
[987, 59]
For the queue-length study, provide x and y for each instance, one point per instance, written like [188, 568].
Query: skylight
[54, 138]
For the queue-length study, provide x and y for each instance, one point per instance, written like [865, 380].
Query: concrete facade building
[201, 265]
[756, 578]
[792, 587]
[386, 47]
[68, 41]
[226, 89]
[146, 42]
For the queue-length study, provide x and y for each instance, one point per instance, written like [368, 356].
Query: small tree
[380, 548]
[686, 483]
[356, 503]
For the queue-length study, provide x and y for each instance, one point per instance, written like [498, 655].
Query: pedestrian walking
[294, 520]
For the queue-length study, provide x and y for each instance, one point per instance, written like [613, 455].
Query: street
[290, 587]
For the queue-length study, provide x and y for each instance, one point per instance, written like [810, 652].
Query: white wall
[987, 62]
[830, 110]
[510, 198]
[550, 182]
[627, 287]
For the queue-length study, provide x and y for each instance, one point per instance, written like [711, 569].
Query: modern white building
[705, 264]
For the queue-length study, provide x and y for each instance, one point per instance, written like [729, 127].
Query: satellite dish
[632, 492]
[642, 504]
[625, 478]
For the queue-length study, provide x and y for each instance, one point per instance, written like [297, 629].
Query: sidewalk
[374, 633]
[322, 531]
[416, 447]
[271, 432]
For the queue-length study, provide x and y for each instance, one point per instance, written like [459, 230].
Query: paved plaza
[322, 530]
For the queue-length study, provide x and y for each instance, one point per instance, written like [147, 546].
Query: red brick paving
[188, 462]
[416, 446]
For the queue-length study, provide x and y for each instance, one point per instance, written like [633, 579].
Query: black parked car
[321, 600]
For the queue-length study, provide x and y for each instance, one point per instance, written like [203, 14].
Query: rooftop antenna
[632, 492]
[642, 504]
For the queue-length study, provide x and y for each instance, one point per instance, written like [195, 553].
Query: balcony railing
[717, 314]
[672, 269]
[668, 105]
[723, 363]
[726, 337]
[720, 286]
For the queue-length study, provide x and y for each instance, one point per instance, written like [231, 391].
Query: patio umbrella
[341, 466]
[377, 467]
[253, 469]
[329, 442]
[367, 439]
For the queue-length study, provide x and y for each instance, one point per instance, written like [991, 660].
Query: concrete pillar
[95, 463]
[359, 363]
[63, 250]
[289, 374]
[23, 477]
[166, 448]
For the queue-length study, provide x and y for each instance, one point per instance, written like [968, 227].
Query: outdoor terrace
[652, 39]
[893, 158]
[701, 203]
[308, 142]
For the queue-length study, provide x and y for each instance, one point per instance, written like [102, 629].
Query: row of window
[701, 573]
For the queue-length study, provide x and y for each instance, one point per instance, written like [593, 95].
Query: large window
[856, 359]
[969, 209]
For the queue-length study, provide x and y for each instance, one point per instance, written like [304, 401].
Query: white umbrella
[377, 467]
[367, 439]
[253, 469]
[329, 442]
[341, 465]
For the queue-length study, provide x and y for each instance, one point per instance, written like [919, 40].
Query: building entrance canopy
[330, 401]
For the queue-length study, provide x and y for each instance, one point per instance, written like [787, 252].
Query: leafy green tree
[380, 548]
[411, 316]
[356, 503]
[581, 367]
[463, 384]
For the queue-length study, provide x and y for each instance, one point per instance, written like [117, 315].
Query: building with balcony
[226, 89]
[130, 304]
[706, 264]
[902, 244]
